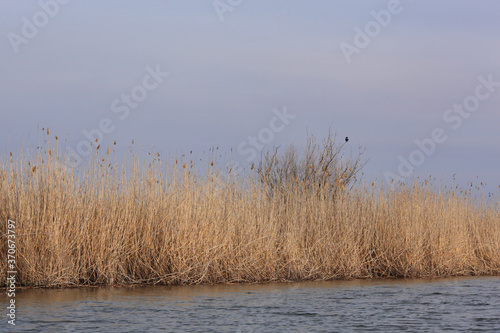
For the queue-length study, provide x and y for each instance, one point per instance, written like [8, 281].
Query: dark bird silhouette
[346, 139]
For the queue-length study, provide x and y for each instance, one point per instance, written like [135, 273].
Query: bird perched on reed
[346, 139]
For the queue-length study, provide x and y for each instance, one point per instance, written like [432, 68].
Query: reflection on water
[461, 304]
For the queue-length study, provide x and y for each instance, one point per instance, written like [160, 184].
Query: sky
[415, 83]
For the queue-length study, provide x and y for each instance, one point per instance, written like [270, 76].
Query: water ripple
[458, 305]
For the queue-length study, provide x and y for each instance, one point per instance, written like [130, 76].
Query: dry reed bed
[165, 223]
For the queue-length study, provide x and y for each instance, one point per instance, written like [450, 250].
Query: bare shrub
[323, 170]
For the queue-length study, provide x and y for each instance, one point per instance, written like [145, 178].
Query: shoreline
[141, 285]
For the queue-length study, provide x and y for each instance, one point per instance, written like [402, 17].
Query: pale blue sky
[226, 76]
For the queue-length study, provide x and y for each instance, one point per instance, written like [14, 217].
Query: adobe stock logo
[40, 19]
[454, 117]
[372, 29]
[254, 144]
[221, 7]
[121, 107]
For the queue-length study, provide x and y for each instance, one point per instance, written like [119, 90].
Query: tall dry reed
[167, 222]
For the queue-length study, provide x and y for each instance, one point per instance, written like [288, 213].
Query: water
[457, 305]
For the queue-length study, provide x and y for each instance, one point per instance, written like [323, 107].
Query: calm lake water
[457, 305]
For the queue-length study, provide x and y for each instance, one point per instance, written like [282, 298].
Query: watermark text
[11, 271]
